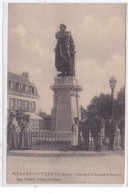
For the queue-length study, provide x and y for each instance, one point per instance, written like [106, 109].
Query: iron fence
[48, 140]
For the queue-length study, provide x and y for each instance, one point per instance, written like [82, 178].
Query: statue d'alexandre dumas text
[65, 52]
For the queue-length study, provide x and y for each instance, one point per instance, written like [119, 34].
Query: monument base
[66, 105]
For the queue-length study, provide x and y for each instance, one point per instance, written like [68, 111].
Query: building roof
[21, 79]
[16, 77]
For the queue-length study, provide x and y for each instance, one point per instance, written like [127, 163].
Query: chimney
[25, 75]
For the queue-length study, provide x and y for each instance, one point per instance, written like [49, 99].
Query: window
[23, 88]
[19, 104]
[27, 105]
[26, 88]
[17, 86]
[12, 104]
[30, 90]
[12, 85]
[33, 90]
[20, 87]
[23, 104]
[33, 106]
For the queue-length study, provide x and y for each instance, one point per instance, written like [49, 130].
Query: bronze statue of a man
[65, 52]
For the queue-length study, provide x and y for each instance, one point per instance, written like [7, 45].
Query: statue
[65, 52]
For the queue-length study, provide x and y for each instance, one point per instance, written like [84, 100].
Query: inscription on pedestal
[66, 81]
[66, 105]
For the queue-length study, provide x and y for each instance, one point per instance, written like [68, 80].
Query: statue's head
[62, 27]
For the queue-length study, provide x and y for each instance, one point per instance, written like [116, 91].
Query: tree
[120, 102]
[44, 115]
[102, 106]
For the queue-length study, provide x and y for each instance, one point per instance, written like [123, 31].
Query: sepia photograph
[66, 93]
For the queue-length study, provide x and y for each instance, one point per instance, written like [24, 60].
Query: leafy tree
[44, 115]
[102, 106]
[120, 104]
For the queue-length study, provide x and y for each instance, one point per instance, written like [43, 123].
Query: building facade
[23, 96]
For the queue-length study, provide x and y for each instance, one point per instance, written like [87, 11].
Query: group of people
[18, 132]
[82, 129]
[110, 131]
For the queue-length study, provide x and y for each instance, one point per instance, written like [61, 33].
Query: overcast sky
[98, 31]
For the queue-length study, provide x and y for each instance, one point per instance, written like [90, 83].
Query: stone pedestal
[66, 105]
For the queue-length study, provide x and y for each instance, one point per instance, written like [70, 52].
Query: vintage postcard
[66, 93]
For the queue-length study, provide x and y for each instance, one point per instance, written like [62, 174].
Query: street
[55, 167]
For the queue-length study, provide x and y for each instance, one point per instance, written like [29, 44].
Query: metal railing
[49, 140]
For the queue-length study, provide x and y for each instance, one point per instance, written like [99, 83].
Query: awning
[33, 116]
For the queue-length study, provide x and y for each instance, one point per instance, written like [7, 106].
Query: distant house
[23, 97]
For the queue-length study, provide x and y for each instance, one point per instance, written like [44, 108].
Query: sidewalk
[56, 153]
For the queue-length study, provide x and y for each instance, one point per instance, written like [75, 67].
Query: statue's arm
[58, 35]
[61, 36]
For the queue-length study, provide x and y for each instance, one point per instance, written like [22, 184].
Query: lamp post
[112, 83]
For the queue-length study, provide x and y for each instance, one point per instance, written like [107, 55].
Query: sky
[98, 31]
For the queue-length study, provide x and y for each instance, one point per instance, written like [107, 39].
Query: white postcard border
[4, 93]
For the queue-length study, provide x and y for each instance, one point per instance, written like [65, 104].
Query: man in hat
[110, 130]
[84, 127]
[96, 131]
[64, 52]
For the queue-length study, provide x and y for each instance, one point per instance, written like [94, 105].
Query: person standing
[84, 126]
[19, 118]
[121, 126]
[75, 130]
[25, 133]
[110, 130]
[12, 132]
[96, 131]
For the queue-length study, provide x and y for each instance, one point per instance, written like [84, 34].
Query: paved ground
[40, 166]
